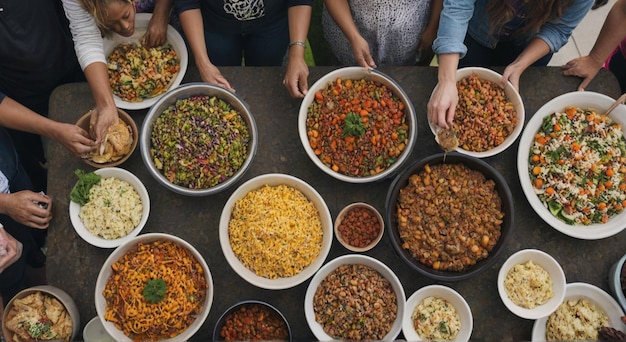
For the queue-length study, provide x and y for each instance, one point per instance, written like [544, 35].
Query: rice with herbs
[275, 231]
[435, 318]
[114, 209]
[528, 285]
[576, 319]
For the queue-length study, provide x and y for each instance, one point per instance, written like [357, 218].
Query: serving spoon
[617, 102]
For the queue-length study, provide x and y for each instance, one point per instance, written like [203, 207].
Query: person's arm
[10, 249]
[429, 34]
[15, 116]
[297, 70]
[536, 49]
[339, 10]
[23, 207]
[192, 23]
[445, 96]
[89, 50]
[612, 33]
[156, 34]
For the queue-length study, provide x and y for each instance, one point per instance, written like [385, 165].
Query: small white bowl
[351, 259]
[443, 292]
[106, 271]
[548, 263]
[584, 100]
[513, 96]
[94, 332]
[342, 214]
[173, 37]
[615, 283]
[62, 296]
[97, 241]
[593, 294]
[275, 179]
[358, 73]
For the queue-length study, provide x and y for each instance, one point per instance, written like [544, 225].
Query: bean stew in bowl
[357, 125]
[235, 323]
[449, 216]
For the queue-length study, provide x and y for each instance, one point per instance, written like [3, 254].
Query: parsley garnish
[80, 191]
[154, 290]
[353, 125]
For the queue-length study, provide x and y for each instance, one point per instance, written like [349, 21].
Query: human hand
[296, 77]
[512, 74]
[362, 55]
[23, 206]
[211, 74]
[100, 121]
[585, 67]
[75, 139]
[10, 249]
[442, 104]
[156, 34]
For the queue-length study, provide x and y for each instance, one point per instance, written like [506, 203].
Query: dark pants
[617, 65]
[264, 46]
[502, 55]
[12, 278]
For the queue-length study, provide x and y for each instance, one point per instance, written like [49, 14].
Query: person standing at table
[373, 33]
[513, 33]
[609, 51]
[257, 33]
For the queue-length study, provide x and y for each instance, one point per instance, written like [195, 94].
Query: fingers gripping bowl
[198, 139]
[357, 125]
[571, 161]
[449, 216]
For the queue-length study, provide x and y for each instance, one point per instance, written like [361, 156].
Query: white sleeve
[85, 32]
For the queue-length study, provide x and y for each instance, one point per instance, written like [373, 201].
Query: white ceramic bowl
[443, 292]
[106, 271]
[357, 73]
[173, 37]
[585, 100]
[50, 290]
[275, 179]
[594, 295]
[98, 241]
[186, 91]
[615, 281]
[342, 214]
[548, 263]
[353, 259]
[511, 93]
[94, 332]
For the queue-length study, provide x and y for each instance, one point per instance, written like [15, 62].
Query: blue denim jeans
[256, 46]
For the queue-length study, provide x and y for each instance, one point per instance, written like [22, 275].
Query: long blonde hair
[538, 12]
[99, 10]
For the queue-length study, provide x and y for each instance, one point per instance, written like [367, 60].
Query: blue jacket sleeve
[557, 31]
[455, 18]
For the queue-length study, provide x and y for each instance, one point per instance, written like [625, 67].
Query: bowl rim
[343, 212]
[590, 292]
[615, 284]
[63, 297]
[579, 99]
[181, 92]
[513, 95]
[349, 73]
[274, 179]
[127, 119]
[173, 37]
[489, 172]
[220, 321]
[135, 182]
[360, 259]
[550, 265]
[450, 295]
[94, 323]
[105, 272]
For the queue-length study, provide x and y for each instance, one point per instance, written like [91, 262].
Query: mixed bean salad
[577, 165]
[199, 142]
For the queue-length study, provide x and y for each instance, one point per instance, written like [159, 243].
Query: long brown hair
[99, 11]
[537, 13]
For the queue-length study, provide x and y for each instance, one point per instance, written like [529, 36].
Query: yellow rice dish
[275, 231]
[528, 285]
[576, 319]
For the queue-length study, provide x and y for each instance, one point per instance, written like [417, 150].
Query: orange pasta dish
[155, 291]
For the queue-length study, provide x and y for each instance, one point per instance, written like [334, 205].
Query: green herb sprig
[80, 191]
[154, 290]
[353, 125]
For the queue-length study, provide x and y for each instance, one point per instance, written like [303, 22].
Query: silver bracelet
[303, 44]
